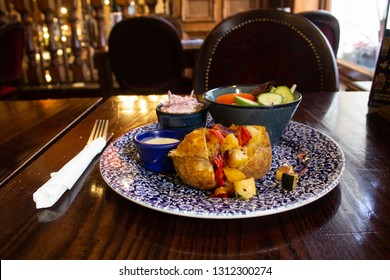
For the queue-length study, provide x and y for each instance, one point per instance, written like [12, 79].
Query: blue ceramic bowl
[274, 118]
[185, 122]
[154, 157]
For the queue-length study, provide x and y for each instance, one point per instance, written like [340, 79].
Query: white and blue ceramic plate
[121, 168]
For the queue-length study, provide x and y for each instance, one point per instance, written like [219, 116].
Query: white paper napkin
[67, 176]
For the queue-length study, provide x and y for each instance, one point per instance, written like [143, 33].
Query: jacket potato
[211, 158]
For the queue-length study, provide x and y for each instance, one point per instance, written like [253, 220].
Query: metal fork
[100, 129]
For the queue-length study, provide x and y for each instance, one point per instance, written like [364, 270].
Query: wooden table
[29, 127]
[93, 222]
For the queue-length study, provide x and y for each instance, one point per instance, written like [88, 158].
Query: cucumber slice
[243, 101]
[284, 91]
[269, 99]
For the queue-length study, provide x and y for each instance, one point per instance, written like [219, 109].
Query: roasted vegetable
[245, 189]
[209, 159]
[287, 176]
[283, 169]
[233, 174]
[289, 181]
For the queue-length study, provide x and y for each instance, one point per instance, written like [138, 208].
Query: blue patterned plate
[121, 168]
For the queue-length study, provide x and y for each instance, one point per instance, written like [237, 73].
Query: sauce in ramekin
[160, 140]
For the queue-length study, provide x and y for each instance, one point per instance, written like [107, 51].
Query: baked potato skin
[194, 145]
[260, 154]
[192, 162]
[195, 171]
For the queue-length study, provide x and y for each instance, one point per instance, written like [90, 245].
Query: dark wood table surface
[93, 222]
[28, 127]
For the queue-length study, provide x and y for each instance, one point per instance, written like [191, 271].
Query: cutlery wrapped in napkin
[66, 177]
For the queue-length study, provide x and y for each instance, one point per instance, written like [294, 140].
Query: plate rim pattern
[122, 171]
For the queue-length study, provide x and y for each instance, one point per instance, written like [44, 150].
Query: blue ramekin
[154, 157]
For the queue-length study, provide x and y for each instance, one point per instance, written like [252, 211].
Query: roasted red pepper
[222, 192]
[243, 135]
[219, 161]
[225, 131]
[218, 134]
[219, 177]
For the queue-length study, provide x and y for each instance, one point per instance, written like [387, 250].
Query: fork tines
[100, 129]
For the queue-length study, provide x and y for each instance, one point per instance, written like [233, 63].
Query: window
[362, 24]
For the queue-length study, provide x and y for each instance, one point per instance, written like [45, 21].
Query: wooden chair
[257, 46]
[176, 24]
[146, 56]
[328, 24]
[11, 57]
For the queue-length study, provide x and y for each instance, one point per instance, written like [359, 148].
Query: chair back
[328, 24]
[258, 46]
[11, 56]
[176, 24]
[145, 55]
